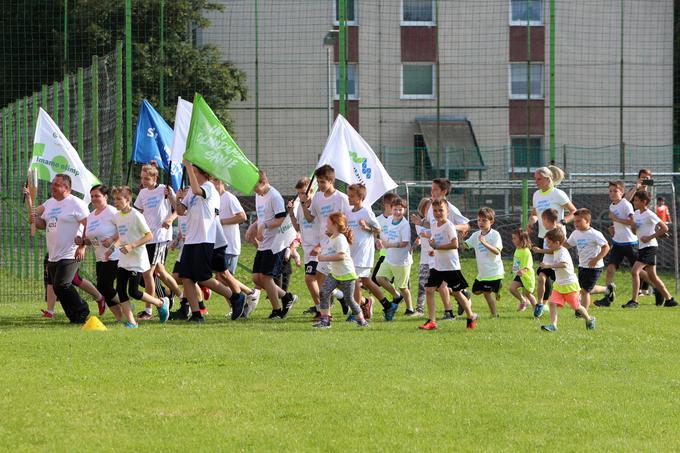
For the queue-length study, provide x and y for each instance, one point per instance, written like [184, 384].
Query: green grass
[273, 386]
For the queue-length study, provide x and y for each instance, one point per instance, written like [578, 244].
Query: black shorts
[486, 286]
[176, 268]
[518, 279]
[196, 259]
[549, 273]
[157, 252]
[620, 251]
[268, 263]
[587, 277]
[47, 280]
[310, 267]
[219, 260]
[647, 256]
[454, 279]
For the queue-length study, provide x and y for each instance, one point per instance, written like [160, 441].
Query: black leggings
[128, 282]
[106, 275]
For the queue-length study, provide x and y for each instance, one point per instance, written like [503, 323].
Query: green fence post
[81, 110]
[128, 79]
[55, 102]
[18, 186]
[10, 191]
[161, 56]
[24, 172]
[95, 114]
[117, 148]
[525, 203]
[36, 245]
[5, 172]
[67, 108]
[43, 101]
[342, 6]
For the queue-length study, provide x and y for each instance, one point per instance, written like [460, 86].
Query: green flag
[210, 147]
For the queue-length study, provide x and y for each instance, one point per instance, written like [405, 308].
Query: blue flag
[153, 141]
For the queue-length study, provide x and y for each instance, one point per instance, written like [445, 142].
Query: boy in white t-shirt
[364, 226]
[271, 246]
[153, 203]
[326, 201]
[487, 245]
[201, 205]
[545, 276]
[566, 287]
[445, 266]
[398, 260]
[382, 221]
[624, 240]
[309, 239]
[133, 261]
[648, 227]
[592, 247]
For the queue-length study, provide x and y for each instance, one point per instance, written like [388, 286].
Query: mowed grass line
[265, 386]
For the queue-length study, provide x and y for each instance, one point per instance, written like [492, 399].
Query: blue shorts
[232, 262]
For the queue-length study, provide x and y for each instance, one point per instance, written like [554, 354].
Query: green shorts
[399, 273]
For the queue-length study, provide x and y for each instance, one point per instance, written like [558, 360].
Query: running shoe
[604, 302]
[206, 292]
[409, 313]
[47, 314]
[449, 316]
[351, 318]
[538, 310]
[549, 328]
[429, 325]
[361, 322]
[164, 310]
[129, 325]
[390, 312]
[251, 302]
[670, 303]
[471, 323]
[310, 311]
[658, 298]
[238, 306]
[522, 306]
[101, 305]
[144, 316]
[610, 294]
[367, 308]
[287, 304]
[323, 323]
[630, 304]
[590, 325]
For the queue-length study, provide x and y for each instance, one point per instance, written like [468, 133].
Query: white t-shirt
[156, 209]
[564, 276]
[489, 265]
[623, 234]
[399, 232]
[220, 238]
[445, 260]
[589, 244]
[201, 225]
[382, 221]
[363, 246]
[269, 207]
[99, 227]
[182, 223]
[62, 220]
[309, 232]
[229, 207]
[552, 198]
[341, 270]
[322, 207]
[646, 223]
[132, 227]
[547, 257]
[424, 234]
[454, 216]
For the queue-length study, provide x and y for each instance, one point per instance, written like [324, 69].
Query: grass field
[282, 386]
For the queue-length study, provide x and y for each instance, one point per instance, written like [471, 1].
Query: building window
[351, 12]
[526, 151]
[352, 82]
[417, 81]
[196, 36]
[417, 12]
[519, 81]
[521, 10]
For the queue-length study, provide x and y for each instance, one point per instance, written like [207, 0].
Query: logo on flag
[54, 154]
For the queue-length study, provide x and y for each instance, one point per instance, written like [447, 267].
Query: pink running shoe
[367, 308]
[47, 314]
[101, 305]
[522, 306]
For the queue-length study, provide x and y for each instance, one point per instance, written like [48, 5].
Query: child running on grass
[398, 260]
[592, 247]
[648, 227]
[342, 272]
[364, 226]
[523, 270]
[133, 263]
[445, 266]
[423, 240]
[545, 276]
[382, 220]
[566, 288]
[487, 245]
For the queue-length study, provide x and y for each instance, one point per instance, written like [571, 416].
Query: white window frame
[523, 168]
[418, 96]
[534, 96]
[350, 97]
[349, 22]
[405, 23]
[523, 23]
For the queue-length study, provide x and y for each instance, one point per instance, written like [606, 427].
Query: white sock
[148, 311]
[338, 294]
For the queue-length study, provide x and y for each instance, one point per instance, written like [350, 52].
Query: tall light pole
[329, 42]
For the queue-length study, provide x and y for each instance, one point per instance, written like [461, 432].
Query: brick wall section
[419, 44]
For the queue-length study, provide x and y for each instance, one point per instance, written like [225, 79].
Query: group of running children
[339, 236]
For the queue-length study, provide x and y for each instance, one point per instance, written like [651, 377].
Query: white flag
[54, 154]
[354, 161]
[181, 130]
